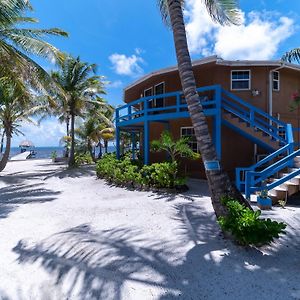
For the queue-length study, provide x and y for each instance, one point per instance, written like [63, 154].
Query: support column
[133, 145]
[118, 142]
[218, 123]
[146, 142]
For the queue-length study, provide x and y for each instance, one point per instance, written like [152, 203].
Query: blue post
[117, 134]
[146, 142]
[133, 144]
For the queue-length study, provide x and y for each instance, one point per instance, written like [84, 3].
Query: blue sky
[127, 39]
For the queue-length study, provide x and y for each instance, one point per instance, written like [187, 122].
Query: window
[189, 132]
[276, 81]
[240, 80]
[148, 93]
[158, 90]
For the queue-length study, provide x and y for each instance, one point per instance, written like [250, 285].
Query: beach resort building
[248, 108]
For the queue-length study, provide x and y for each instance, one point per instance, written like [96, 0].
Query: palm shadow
[12, 196]
[197, 264]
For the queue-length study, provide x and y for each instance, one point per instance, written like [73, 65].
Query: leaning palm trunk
[5, 157]
[2, 142]
[72, 150]
[218, 181]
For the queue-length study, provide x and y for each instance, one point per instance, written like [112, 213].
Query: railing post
[218, 122]
[146, 142]
[238, 178]
[145, 107]
[117, 133]
[129, 112]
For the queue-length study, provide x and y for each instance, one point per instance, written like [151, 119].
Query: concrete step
[297, 159]
[297, 164]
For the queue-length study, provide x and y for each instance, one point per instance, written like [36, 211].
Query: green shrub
[83, 158]
[247, 227]
[126, 171]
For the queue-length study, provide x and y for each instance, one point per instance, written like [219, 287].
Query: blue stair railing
[254, 117]
[252, 179]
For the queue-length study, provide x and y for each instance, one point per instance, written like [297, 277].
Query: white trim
[151, 88]
[250, 77]
[277, 80]
[164, 89]
[189, 127]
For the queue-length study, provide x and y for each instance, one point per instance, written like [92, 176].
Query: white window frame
[151, 88]
[277, 80]
[231, 80]
[189, 127]
[164, 90]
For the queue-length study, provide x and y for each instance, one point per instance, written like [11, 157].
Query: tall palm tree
[18, 42]
[292, 55]
[81, 92]
[223, 12]
[15, 108]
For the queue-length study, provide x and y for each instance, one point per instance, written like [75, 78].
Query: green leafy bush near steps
[246, 226]
[128, 172]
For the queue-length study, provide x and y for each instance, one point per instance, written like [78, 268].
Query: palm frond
[293, 55]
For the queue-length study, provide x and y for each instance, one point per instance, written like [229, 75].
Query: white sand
[66, 235]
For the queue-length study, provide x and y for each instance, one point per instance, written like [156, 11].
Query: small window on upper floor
[240, 80]
[276, 81]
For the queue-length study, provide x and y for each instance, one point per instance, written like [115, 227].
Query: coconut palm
[223, 12]
[81, 92]
[15, 108]
[18, 42]
[292, 55]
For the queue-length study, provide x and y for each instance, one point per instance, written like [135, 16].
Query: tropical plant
[18, 42]
[174, 149]
[14, 109]
[223, 12]
[246, 226]
[81, 92]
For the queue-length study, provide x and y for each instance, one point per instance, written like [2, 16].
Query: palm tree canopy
[224, 12]
[293, 55]
[18, 42]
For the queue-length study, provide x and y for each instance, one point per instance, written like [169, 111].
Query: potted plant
[263, 200]
[54, 156]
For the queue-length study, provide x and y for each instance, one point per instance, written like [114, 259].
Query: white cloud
[115, 84]
[259, 36]
[48, 133]
[127, 65]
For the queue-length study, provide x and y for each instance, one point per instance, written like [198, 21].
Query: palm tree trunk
[5, 157]
[68, 134]
[105, 146]
[218, 181]
[90, 148]
[72, 150]
[2, 141]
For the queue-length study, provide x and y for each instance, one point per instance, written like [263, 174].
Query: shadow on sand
[13, 196]
[197, 264]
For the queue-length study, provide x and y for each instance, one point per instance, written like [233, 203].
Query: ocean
[45, 152]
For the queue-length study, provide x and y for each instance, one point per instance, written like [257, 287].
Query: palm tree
[223, 12]
[18, 42]
[81, 92]
[292, 55]
[14, 109]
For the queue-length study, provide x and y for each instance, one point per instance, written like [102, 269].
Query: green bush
[246, 226]
[126, 171]
[83, 158]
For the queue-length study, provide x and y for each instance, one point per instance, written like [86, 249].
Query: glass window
[240, 80]
[158, 90]
[189, 132]
[276, 81]
[148, 93]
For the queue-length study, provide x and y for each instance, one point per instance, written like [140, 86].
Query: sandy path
[66, 235]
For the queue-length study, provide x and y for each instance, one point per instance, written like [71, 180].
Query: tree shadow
[78, 172]
[197, 264]
[13, 196]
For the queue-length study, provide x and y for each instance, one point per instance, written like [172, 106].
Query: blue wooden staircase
[279, 172]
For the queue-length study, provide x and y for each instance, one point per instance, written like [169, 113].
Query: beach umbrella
[26, 144]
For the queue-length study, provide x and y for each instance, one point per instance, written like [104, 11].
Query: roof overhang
[220, 61]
